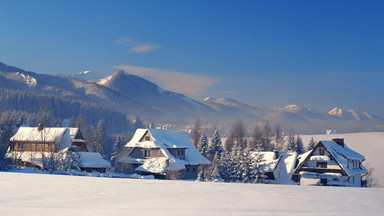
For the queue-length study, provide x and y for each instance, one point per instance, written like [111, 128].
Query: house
[330, 163]
[161, 152]
[278, 166]
[31, 146]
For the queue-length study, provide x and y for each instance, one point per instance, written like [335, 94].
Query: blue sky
[319, 54]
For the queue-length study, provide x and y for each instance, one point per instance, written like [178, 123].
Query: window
[321, 164]
[194, 169]
[147, 153]
[147, 138]
[335, 179]
[187, 169]
[180, 153]
[321, 151]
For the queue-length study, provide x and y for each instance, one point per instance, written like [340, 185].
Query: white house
[331, 163]
[32, 146]
[158, 152]
[278, 166]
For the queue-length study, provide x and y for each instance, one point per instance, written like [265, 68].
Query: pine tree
[311, 144]
[203, 145]
[224, 167]
[214, 169]
[117, 146]
[99, 138]
[299, 145]
[235, 163]
[215, 146]
[245, 166]
[290, 145]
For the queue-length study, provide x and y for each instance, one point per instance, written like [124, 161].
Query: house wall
[307, 181]
[81, 145]
[174, 152]
[331, 164]
[139, 153]
[190, 172]
[32, 146]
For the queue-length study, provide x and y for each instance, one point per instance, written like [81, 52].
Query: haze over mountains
[134, 96]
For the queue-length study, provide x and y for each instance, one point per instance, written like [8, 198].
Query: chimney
[339, 141]
[40, 127]
[275, 155]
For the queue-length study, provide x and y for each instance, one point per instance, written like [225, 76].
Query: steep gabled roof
[167, 139]
[341, 154]
[59, 135]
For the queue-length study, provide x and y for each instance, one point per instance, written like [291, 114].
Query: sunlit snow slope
[37, 194]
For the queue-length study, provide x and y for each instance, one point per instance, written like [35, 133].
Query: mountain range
[135, 96]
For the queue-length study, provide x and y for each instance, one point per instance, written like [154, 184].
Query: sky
[318, 54]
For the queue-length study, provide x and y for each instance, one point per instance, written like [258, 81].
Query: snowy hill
[371, 145]
[36, 194]
[136, 96]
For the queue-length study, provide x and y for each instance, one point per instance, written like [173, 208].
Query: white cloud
[143, 48]
[188, 84]
[136, 46]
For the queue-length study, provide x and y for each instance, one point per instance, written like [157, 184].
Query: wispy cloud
[143, 48]
[188, 84]
[136, 46]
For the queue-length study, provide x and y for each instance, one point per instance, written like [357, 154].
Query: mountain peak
[336, 112]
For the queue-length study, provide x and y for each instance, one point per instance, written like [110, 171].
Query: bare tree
[257, 138]
[279, 139]
[267, 132]
[370, 177]
[236, 136]
[196, 132]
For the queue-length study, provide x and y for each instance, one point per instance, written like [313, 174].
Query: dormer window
[180, 153]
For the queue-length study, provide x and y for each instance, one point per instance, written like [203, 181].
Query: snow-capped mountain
[134, 95]
[350, 114]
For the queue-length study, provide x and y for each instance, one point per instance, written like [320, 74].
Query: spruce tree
[215, 146]
[290, 145]
[311, 144]
[203, 145]
[117, 146]
[299, 145]
[99, 138]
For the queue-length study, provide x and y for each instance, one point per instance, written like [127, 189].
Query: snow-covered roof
[73, 132]
[285, 160]
[93, 160]
[342, 154]
[59, 135]
[168, 139]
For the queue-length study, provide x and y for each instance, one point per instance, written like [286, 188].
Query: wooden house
[158, 152]
[278, 166]
[30, 145]
[331, 163]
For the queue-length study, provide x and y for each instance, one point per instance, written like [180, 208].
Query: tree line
[240, 157]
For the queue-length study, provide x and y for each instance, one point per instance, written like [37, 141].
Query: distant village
[172, 154]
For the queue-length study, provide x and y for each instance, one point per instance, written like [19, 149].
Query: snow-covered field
[41, 194]
[371, 145]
